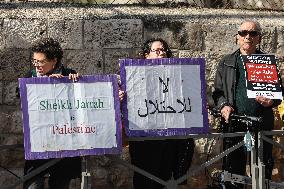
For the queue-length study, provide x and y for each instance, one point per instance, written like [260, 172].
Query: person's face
[157, 51]
[42, 64]
[248, 37]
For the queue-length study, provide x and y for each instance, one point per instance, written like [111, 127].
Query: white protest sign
[70, 117]
[165, 99]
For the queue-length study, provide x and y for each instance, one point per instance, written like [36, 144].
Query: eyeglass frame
[39, 62]
[252, 33]
[158, 50]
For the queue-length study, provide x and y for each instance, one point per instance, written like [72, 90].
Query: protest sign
[164, 97]
[65, 119]
[262, 76]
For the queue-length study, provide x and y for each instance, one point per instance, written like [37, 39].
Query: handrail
[190, 172]
[33, 173]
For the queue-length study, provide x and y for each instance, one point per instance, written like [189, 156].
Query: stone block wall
[94, 38]
[237, 4]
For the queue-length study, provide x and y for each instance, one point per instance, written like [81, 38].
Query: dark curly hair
[50, 47]
[147, 47]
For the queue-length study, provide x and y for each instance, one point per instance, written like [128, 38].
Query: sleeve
[72, 71]
[276, 102]
[219, 93]
[67, 71]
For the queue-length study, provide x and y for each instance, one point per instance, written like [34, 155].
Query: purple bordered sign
[66, 119]
[164, 97]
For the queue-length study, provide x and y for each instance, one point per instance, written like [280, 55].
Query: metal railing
[257, 180]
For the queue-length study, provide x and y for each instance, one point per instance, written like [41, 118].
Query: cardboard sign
[262, 76]
[66, 119]
[164, 97]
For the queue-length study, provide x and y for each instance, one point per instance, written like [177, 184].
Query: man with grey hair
[230, 96]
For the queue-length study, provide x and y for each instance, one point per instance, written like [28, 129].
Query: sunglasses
[252, 33]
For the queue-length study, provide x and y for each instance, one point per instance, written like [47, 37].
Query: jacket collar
[234, 56]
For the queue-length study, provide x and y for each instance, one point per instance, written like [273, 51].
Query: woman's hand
[56, 75]
[73, 77]
[120, 94]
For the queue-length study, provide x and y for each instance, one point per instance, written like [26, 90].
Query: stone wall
[238, 4]
[94, 38]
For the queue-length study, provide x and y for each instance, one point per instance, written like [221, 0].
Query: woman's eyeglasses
[252, 33]
[158, 50]
[39, 62]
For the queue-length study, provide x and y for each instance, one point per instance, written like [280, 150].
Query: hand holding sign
[266, 102]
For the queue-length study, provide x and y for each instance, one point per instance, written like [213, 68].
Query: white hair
[257, 24]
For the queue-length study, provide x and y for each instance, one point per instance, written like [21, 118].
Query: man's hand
[225, 112]
[266, 102]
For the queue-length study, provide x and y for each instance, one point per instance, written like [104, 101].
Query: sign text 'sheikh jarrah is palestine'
[67, 104]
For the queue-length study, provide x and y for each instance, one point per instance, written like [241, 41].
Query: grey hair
[257, 24]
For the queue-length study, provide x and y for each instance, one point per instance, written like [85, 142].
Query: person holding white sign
[47, 55]
[163, 158]
[230, 96]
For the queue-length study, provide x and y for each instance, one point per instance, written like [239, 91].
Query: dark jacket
[225, 88]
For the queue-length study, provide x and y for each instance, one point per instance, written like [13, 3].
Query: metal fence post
[86, 175]
[261, 166]
[254, 168]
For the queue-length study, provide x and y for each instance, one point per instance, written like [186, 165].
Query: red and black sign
[262, 76]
